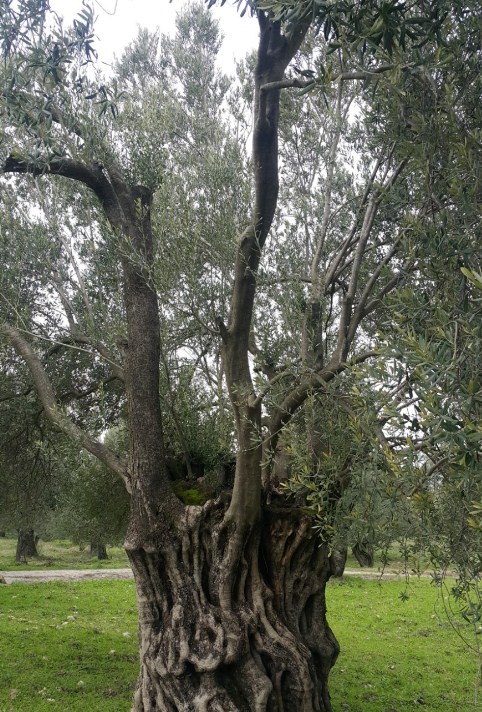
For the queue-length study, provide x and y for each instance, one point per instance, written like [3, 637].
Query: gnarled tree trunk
[251, 637]
[231, 596]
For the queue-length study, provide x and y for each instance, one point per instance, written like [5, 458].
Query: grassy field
[399, 655]
[73, 647]
[59, 555]
[67, 647]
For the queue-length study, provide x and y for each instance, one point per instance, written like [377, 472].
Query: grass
[73, 647]
[59, 555]
[399, 655]
[69, 647]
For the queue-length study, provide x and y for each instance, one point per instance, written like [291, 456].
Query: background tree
[30, 463]
[92, 505]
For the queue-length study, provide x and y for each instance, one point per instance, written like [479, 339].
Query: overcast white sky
[117, 22]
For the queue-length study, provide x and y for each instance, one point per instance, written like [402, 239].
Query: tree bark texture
[26, 545]
[248, 637]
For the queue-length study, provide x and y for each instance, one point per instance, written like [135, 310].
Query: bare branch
[346, 310]
[348, 324]
[351, 240]
[358, 313]
[335, 140]
[362, 74]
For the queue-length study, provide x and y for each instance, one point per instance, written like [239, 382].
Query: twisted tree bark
[249, 638]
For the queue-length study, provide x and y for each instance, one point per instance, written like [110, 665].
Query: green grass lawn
[67, 646]
[73, 647]
[59, 555]
[399, 655]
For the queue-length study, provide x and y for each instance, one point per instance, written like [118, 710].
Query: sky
[118, 20]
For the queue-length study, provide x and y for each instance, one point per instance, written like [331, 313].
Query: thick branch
[128, 210]
[288, 84]
[275, 51]
[90, 175]
[362, 74]
[315, 380]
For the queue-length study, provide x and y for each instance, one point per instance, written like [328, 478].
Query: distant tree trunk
[338, 561]
[26, 545]
[98, 550]
[363, 553]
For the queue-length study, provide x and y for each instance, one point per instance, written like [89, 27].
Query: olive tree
[231, 594]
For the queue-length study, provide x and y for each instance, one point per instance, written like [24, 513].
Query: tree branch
[275, 51]
[283, 413]
[333, 268]
[407, 267]
[358, 313]
[348, 320]
[55, 414]
[73, 394]
[78, 338]
[362, 74]
[91, 176]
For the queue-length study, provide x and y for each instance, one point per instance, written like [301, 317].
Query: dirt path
[63, 575]
[43, 576]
